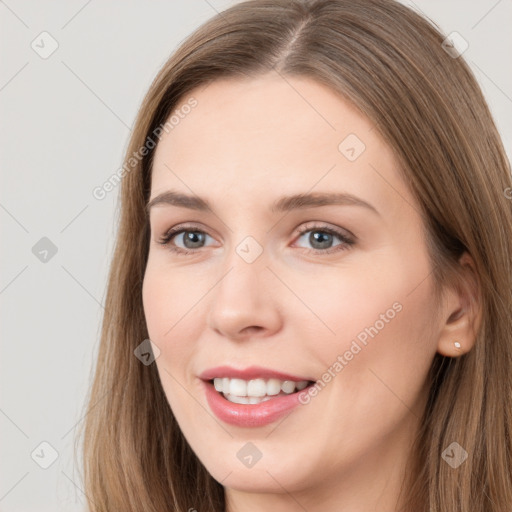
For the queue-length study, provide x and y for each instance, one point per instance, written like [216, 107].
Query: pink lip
[253, 372]
[247, 415]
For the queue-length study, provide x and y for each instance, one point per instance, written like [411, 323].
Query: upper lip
[252, 372]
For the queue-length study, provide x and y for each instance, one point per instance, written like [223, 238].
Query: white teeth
[259, 389]
[256, 387]
[246, 399]
[237, 387]
[288, 386]
[273, 387]
[301, 385]
[238, 399]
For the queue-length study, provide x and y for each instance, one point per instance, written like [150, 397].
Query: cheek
[377, 362]
[170, 314]
[376, 317]
[340, 304]
[170, 322]
[385, 340]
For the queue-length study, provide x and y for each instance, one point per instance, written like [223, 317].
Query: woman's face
[329, 289]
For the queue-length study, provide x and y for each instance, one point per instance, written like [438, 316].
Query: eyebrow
[283, 204]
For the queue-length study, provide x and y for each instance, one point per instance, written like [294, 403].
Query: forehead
[265, 136]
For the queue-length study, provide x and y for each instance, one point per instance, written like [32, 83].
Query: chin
[263, 477]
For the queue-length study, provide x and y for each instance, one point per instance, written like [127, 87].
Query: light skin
[295, 308]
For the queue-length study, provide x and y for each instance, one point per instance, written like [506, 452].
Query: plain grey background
[65, 124]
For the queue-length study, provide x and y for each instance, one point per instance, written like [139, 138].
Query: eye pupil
[321, 237]
[191, 236]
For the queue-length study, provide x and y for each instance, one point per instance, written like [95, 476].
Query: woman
[309, 303]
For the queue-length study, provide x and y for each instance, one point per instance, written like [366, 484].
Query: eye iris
[321, 237]
[191, 236]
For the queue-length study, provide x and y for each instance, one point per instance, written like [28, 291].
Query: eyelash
[346, 242]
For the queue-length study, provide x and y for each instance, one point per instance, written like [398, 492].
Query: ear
[462, 312]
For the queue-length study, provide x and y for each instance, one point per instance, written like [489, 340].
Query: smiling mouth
[255, 391]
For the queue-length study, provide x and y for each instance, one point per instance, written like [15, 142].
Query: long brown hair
[390, 63]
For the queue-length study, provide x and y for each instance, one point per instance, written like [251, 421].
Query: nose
[244, 302]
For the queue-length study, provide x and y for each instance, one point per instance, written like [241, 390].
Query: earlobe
[463, 313]
[457, 337]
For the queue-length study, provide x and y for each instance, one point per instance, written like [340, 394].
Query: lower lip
[249, 415]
